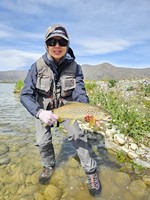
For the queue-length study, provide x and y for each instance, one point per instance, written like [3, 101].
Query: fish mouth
[109, 118]
[106, 120]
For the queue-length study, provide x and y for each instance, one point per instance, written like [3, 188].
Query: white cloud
[95, 27]
[98, 46]
[14, 59]
[10, 32]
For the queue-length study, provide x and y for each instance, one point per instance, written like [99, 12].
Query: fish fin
[92, 122]
[60, 120]
[72, 122]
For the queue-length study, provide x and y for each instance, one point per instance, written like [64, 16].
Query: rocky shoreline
[113, 140]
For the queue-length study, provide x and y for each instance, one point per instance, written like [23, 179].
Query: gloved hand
[48, 117]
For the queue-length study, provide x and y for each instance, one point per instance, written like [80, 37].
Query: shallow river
[20, 163]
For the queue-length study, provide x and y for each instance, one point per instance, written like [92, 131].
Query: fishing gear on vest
[54, 91]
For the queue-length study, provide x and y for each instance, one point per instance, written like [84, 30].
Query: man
[53, 79]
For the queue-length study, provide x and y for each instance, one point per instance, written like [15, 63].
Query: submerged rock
[30, 190]
[122, 179]
[137, 188]
[52, 193]
[146, 179]
[4, 159]
[3, 149]
[38, 196]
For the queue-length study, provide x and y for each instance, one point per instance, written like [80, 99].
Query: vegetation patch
[128, 102]
[18, 87]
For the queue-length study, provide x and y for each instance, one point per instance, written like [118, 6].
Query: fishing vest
[52, 94]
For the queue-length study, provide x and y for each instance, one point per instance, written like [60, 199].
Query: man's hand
[48, 117]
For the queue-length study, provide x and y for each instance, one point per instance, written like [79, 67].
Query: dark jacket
[29, 92]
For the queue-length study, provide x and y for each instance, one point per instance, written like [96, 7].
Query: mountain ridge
[107, 71]
[104, 71]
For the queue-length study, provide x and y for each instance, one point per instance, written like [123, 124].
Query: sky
[100, 31]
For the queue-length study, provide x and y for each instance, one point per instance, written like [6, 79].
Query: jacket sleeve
[79, 93]
[28, 93]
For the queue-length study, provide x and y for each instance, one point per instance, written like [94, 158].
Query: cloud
[16, 59]
[95, 28]
[97, 46]
[10, 32]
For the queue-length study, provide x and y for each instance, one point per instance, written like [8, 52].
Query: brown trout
[82, 111]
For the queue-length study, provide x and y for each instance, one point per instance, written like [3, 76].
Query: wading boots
[93, 183]
[45, 175]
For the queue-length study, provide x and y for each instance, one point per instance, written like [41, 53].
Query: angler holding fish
[51, 81]
[73, 110]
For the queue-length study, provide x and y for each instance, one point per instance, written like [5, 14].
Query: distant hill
[12, 76]
[104, 71]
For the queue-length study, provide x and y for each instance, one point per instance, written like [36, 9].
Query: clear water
[19, 173]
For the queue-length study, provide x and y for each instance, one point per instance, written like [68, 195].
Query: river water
[20, 163]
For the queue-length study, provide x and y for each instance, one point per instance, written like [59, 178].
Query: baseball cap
[56, 30]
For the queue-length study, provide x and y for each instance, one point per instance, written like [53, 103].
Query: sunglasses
[52, 42]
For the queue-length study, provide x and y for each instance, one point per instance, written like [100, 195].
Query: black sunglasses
[52, 42]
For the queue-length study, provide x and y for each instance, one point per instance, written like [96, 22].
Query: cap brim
[57, 35]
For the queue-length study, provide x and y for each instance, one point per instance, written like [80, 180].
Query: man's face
[57, 47]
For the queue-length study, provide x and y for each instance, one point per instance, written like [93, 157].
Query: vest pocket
[68, 83]
[44, 80]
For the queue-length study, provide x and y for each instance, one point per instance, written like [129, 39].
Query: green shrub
[112, 83]
[147, 90]
[18, 87]
[125, 114]
[131, 88]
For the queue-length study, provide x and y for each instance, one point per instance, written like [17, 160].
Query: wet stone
[38, 196]
[19, 177]
[13, 187]
[3, 173]
[73, 163]
[3, 149]
[4, 159]
[7, 179]
[17, 146]
[27, 198]
[137, 188]
[29, 190]
[35, 178]
[52, 192]
[122, 179]
[146, 179]
[128, 196]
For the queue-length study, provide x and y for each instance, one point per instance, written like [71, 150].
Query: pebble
[133, 147]
[137, 188]
[146, 179]
[52, 192]
[4, 159]
[119, 139]
[3, 149]
[132, 155]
